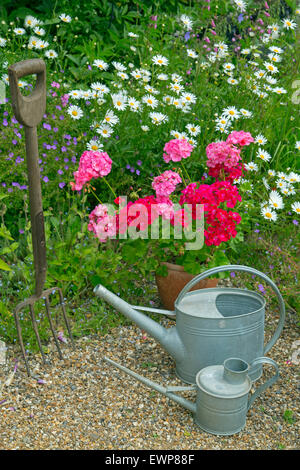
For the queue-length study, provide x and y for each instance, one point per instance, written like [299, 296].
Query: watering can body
[222, 399]
[211, 324]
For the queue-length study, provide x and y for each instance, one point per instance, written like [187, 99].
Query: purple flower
[187, 36]
[61, 185]
[14, 142]
[295, 222]
[261, 288]
[240, 17]
[60, 172]
[21, 230]
[47, 126]
[232, 274]
[64, 149]
[46, 179]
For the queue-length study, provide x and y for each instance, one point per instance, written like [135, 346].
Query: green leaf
[4, 266]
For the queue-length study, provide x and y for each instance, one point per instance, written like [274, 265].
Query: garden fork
[29, 111]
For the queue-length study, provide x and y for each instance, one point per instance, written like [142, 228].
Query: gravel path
[85, 403]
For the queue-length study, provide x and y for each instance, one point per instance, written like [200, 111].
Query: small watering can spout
[168, 338]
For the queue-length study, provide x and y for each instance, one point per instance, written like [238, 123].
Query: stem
[186, 172]
[109, 187]
[93, 192]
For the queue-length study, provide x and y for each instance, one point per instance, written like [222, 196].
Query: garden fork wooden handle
[29, 111]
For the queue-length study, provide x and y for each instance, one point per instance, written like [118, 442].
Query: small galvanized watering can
[211, 324]
[222, 399]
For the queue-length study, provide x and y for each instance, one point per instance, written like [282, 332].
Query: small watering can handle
[271, 381]
[237, 267]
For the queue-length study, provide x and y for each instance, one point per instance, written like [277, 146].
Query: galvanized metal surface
[211, 324]
[29, 111]
[222, 394]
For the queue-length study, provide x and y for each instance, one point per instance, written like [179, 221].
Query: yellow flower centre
[74, 112]
[188, 98]
[231, 112]
[104, 131]
[107, 118]
[119, 103]
[94, 147]
[160, 61]
[268, 214]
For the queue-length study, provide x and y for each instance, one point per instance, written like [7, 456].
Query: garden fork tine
[29, 111]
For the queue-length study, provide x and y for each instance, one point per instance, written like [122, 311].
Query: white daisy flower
[42, 44]
[275, 58]
[275, 200]
[100, 64]
[289, 24]
[86, 94]
[241, 5]
[51, 54]
[188, 97]
[123, 75]
[100, 87]
[231, 112]
[276, 50]
[232, 81]
[260, 139]
[119, 67]
[297, 145]
[30, 21]
[228, 66]
[33, 42]
[3, 42]
[270, 80]
[150, 100]
[158, 118]
[76, 94]
[162, 76]
[271, 67]
[110, 118]
[151, 90]
[176, 87]
[271, 173]
[94, 145]
[293, 178]
[137, 74]
[191, 53]
[193, 129]
[134, 104]
[282, 176]
[245, 51]
[160, 60]
[186, 20]
[19, 31]
[279, 90]
[296, 207]
[268, 213]
[65, 18]
[75, 112]
[251, 166]
[263, 155]
[119, 101]
[39, 31]
[245, 113]
[260, 74]
[132, 35]
[105, 131]
[145, 128]
[176, 78]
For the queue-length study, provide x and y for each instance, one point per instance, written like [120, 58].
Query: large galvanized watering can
[222, 400]
[211, 324]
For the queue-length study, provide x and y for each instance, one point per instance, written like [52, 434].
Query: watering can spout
[167, 337]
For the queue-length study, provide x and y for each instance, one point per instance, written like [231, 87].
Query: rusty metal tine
[19, 332]
[33, 320]
[65, 316]
[52, 327]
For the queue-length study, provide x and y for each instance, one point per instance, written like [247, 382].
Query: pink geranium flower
[165, 183]
[240, 138]
[91, 165]
[176, 150]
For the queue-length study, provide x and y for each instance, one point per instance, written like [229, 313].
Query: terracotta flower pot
[170, 286]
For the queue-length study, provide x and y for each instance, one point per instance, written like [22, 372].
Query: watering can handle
[271, 381]
[247, 269]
